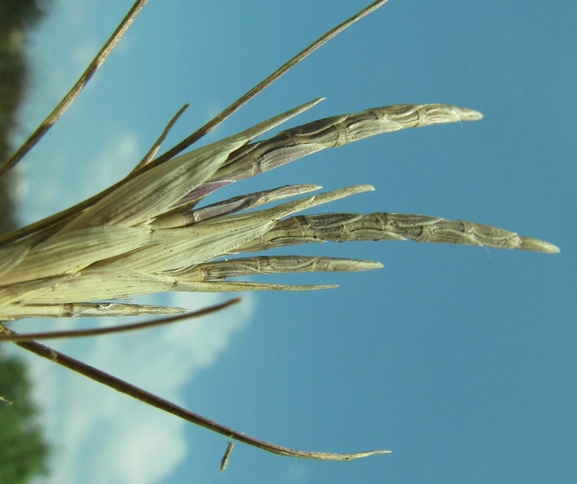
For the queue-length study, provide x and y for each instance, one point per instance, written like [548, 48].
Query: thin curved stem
[78, 86]
[154, 148]
[81, 333]
[235, 106]
[169, 407]
[47, 222]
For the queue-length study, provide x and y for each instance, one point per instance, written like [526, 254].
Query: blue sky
[461, 360]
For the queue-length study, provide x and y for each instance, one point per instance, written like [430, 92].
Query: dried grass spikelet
[147, 233]
[147, 237]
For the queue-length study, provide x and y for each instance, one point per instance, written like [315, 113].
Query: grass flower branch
[150, 233]
[178, 411]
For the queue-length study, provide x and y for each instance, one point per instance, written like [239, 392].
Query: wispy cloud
[115, 161]
[103, 436]
[99, 435]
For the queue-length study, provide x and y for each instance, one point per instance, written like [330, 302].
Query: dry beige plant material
[148, 234]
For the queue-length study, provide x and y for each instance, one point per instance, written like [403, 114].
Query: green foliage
[17, 14]
[15, 17]
[23, 451]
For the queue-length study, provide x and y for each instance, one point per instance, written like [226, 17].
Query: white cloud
[98, 434]
[103, 436]
[115, 161]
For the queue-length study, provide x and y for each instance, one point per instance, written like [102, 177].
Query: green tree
[23, 450]
[16, 17]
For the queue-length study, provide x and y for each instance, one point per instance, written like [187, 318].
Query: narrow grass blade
[247, 266]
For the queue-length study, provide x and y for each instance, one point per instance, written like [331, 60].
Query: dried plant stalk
[116, 310]
[146, 234]
[132, 242]
[174, 409]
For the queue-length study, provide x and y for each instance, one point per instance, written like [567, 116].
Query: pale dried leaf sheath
[176, 249]
[176, 315]
[81, 310]
[155, 191]
[182, 218]
[123, 259]
[17, 293]
[130, 274]
[247, 266]
[346, 227]
[336, 131]
[70, 252]
[252, 200]
[106, 285]
[11, 255]
[314, 201]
